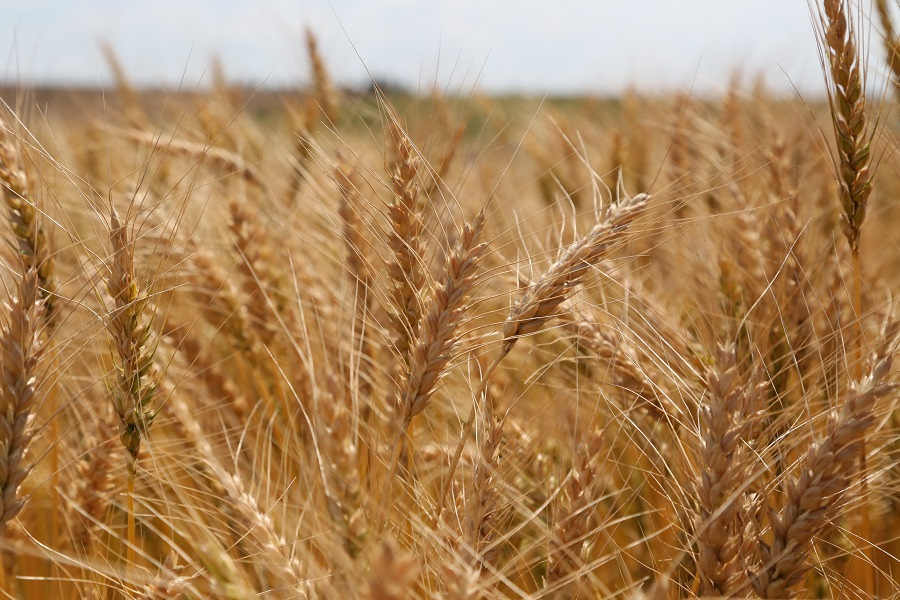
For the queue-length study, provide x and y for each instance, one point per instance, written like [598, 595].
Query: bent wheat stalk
[219, 157]
[541, 300]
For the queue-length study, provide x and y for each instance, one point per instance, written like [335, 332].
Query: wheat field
[334, 344]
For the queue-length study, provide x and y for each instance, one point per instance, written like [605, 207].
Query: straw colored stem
[467, 430]
[870, 576]
[132, 535]
[391, 472]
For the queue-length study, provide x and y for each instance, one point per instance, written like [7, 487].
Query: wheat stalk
[131, 329]
[541, 299]
[438, 332]
[847, 95]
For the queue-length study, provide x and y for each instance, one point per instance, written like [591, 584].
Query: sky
[534, 46]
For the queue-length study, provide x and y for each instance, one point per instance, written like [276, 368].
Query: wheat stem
[467, 430]
[132, 534]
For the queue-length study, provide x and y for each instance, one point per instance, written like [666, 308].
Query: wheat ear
[848, 115]
[20, 349]
[393, 574]
[484, 498]
[168, 584]
[541, 299]
[891, 40]
[275, 553]
[255, 267]
[325, 94]
[726, 421]
[851, 125]
[31, 240]
[219, 157]
[131, 103]
[570, 534]
[813, 497]
[131, 329]
[405, 239]
[92, 485]
[619, 360]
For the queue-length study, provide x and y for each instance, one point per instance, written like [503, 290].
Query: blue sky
[532, 45]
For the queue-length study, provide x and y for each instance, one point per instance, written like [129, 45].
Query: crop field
[326, 343]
